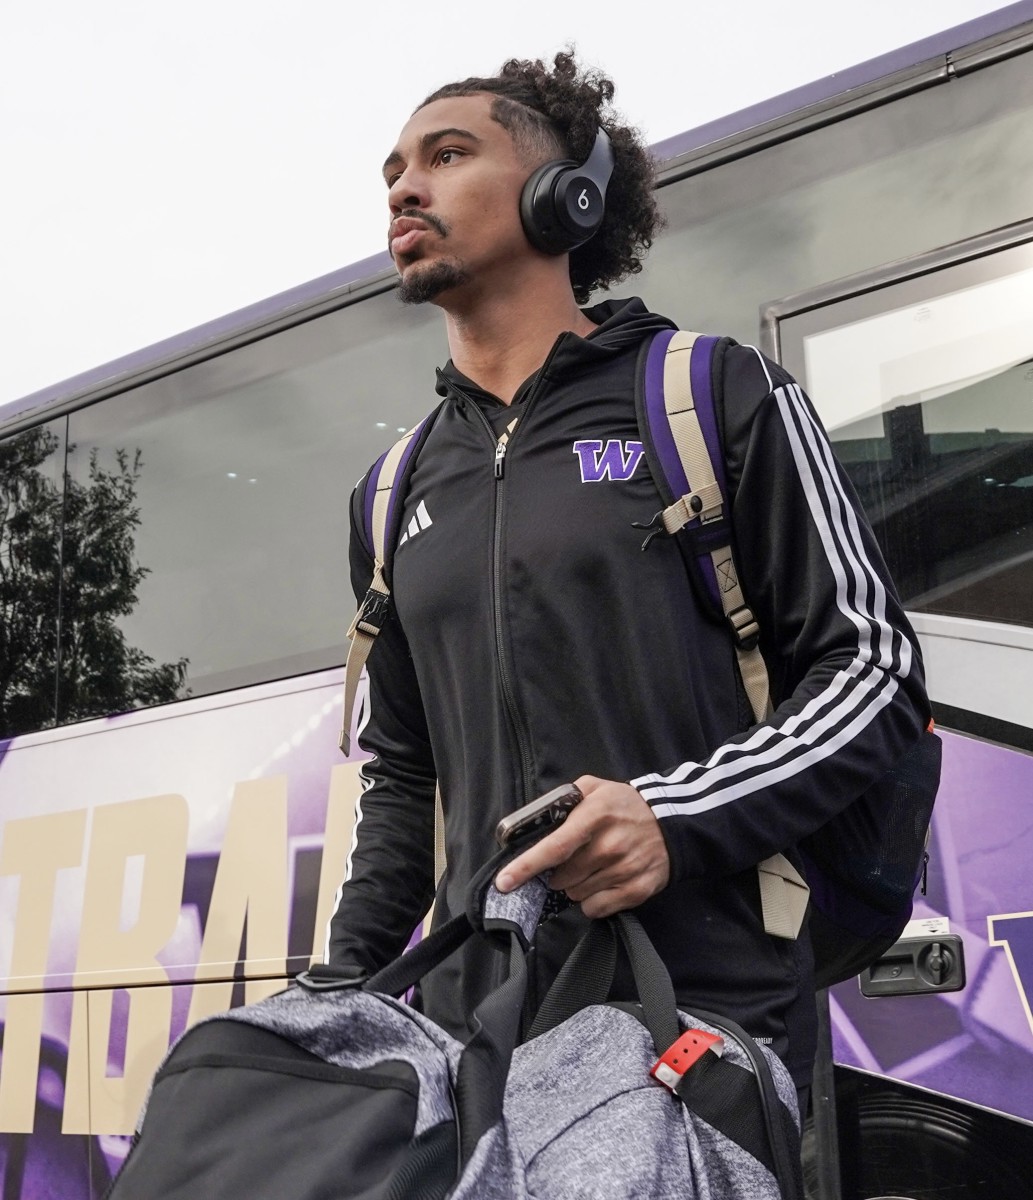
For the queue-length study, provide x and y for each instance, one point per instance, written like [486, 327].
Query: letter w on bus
[617, 460]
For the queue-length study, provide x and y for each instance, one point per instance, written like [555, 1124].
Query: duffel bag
[336, 1089]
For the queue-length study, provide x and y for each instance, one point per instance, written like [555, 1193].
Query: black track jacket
[532, 641]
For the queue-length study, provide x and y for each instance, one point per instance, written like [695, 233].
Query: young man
[532, 643]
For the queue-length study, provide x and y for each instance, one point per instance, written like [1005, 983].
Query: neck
[501, 339]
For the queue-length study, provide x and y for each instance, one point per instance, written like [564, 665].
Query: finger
[630, 893]
[550, 852]
[606, 903]
[586, 883]
[609, 858]
[631, 888]
[591, 868]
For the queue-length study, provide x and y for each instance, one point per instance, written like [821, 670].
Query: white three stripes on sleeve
[362, 703]
[853, 697]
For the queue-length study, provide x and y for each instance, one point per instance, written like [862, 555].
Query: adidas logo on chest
[417, 524]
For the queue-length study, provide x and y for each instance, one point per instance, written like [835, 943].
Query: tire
[916, 1146]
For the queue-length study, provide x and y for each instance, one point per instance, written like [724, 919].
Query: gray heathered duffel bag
[333, 1090]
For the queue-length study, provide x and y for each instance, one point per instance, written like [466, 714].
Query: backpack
[861, 868]
[336, 1088]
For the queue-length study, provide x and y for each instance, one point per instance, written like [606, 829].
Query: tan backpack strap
[439, 837]
[365, 626]
[783, 897]
[745, 629]
[706, 503]
[369, 620]
[783, 891]
[705, 500]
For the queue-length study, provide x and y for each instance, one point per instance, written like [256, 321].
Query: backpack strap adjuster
[706, 504]
[744, 625]
[362, 632]
[372, 614]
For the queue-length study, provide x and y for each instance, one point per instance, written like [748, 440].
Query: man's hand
[608, 855]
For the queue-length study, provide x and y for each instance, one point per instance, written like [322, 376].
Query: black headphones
[563, 203]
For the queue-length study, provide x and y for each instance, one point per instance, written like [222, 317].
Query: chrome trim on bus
[204, 342]
[992, 242]
[977, 666]
[943, 68]
[966, 629]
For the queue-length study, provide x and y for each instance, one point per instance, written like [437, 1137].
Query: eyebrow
[395, 158]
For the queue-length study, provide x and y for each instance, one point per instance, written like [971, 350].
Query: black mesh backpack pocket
[258, 1118]
[864, 865]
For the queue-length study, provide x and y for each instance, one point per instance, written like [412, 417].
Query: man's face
[454, 181]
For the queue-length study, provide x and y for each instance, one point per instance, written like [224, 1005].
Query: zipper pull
[500, 455]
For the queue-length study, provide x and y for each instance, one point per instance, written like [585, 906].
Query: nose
[409, 190]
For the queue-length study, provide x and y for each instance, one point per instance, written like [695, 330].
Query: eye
[449, 155]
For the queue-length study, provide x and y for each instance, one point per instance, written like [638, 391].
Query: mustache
[428, 219]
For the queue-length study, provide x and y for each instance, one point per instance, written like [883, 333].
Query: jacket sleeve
[389, 882]
[845, 669]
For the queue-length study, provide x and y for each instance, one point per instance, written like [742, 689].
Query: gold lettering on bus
[250, 887]
[131, 904]
[96, 1099]
[34, 848]
[1013, 933]
[154, 831]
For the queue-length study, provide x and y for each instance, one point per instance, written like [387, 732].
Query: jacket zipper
[501, 444]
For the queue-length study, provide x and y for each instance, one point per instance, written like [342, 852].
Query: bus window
[948, 485]
[221, 496]
[926, 386]
[31, 522]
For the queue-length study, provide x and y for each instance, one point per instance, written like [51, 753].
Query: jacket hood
[620, 324]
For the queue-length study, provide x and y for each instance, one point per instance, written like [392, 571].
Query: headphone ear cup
[563, 204]
[538, 210]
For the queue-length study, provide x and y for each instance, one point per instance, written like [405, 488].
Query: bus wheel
[897, 1143]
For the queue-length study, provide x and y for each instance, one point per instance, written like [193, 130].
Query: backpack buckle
[655, 526]
[682, 1055]
[744, 625]
[372, 613]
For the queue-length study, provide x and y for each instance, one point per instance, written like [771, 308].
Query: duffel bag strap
[726, 1096]
[587, 977]
[741, 1104]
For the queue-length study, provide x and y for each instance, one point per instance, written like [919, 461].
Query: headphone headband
[563, 203]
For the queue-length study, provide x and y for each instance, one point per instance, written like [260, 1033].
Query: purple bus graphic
[976, 1044]
[252, 837]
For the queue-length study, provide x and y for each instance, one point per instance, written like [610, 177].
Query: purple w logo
[617, 460]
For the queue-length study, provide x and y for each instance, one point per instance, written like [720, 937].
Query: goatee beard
[420, 287]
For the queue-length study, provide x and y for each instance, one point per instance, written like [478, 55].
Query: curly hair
[557, 112]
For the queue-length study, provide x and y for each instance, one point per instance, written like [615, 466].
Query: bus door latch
[917, 966]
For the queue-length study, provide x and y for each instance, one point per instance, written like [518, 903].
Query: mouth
[405, 232]
[401, 243]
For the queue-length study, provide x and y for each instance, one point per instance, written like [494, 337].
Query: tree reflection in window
[68, 572]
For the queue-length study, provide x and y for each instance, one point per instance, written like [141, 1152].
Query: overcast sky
[165, 164]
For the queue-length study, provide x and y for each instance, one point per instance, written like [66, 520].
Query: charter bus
[175, 816]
